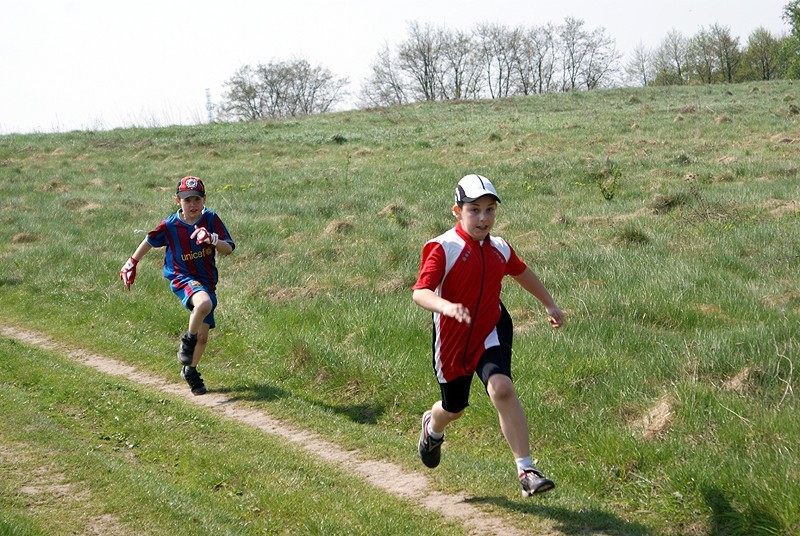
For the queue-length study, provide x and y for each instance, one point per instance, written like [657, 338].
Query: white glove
[128, 272]
[202, 236]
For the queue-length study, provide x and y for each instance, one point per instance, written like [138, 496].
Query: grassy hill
[664, 221]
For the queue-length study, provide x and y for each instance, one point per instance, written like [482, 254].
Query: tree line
[493, 61]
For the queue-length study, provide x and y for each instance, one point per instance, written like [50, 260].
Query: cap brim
[471, 199]
[190, 193]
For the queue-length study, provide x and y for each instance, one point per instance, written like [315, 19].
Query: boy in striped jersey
[192, 236]
[459, 281]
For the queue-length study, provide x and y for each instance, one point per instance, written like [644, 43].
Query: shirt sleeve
[515, 265]
[219, 228]
[158, 236]
[431, 269]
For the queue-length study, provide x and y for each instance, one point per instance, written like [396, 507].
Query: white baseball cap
[471, 187]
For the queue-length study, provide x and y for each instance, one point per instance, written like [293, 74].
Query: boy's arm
[128, 271]
[140, 252]
[224, 247]
[430, 301]
[530, 282]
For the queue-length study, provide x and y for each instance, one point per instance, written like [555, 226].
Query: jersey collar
[468, 239]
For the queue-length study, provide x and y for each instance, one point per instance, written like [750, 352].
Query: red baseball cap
[189, 186]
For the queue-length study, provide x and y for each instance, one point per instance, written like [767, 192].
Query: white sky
[101, 64]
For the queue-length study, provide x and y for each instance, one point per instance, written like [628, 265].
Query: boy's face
[192, 207]
[477, 217]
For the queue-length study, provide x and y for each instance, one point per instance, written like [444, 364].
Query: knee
[202, 304]
[501, 388]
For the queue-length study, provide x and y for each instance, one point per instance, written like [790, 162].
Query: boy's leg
[494, 370]
[513, 422]
[193, 343]
[201, 305]
[440, 417]
[514, 425]
[200, 347]
[431, 437]
[189, 372]
[194, 380]
[455, 398]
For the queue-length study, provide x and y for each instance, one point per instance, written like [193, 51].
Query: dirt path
[385, 475]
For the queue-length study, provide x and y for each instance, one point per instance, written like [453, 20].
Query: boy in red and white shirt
[459, 281]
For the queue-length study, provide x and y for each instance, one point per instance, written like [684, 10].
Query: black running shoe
[194, 380]
[430, 449]
[533, 481]
[186, 351]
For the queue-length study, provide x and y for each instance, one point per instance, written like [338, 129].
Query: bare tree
[574, 50]
[600, 60]
[535, 60]
[539, 43]
[420, 57]
[275, 91]
[313, 89]
[461, 74]
[640, 68]
[280, 89]
[243, 98]
[523, 68]
[672, 59]
[386, 85]
[499, 49]
[588, 58]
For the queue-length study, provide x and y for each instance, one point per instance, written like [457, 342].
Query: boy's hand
[128, 272]
[202, 236]
[457, 311]
[555, 316]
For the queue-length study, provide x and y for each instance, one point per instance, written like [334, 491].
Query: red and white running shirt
[463, 270]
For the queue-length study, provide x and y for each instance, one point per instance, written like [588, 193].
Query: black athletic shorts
[495, 360]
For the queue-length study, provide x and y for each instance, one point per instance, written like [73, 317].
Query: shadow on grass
[570, 521]
[255, 393]
[727, 520]
[358, 413]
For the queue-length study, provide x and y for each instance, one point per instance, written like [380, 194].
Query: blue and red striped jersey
[183, 257]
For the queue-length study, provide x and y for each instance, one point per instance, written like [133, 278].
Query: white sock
[523, 463]
[434, 435]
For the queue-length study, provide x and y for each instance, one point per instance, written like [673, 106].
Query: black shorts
[495, 360]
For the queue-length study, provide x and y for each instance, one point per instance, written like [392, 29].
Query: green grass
[82, 449]
[679, 281]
